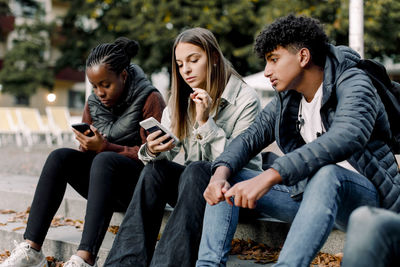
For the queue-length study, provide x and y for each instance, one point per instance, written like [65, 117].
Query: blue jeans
[373, 238]
[329, 198]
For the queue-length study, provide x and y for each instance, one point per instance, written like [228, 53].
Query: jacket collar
[232, 89]
[338, 60]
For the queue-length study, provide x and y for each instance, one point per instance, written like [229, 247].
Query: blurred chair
[8, 128]
[45, 120]
[32, 126]
[13, 113]
[59, 123]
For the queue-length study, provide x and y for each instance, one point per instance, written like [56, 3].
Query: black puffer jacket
[357, 131]
[120, 123]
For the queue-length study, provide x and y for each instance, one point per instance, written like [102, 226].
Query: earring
[214, 65]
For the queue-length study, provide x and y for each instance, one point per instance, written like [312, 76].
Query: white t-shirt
[312, 126]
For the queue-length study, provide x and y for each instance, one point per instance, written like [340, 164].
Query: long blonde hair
[218, 73]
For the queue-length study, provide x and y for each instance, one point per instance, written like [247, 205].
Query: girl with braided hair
[106, 167]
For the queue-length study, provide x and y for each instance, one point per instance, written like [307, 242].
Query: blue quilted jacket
[357, 131]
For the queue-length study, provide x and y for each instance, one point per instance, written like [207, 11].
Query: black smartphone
[83, 127]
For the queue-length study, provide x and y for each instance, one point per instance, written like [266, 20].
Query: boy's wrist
[221, 173]
[273, 177]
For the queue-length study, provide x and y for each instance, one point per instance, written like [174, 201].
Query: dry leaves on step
[251, 250]
[262, 254]
[19, 216]
[4, 255]
[325, 259]
[53, 262]
[57, 221]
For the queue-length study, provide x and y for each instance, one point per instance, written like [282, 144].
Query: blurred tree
[381, 22]
[25, 66]
[4, 13]
[382, 28]
[235, 23]
[4, 9]
[155, 24]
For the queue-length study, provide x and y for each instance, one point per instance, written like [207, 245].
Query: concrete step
[62, 242]
[16, 193]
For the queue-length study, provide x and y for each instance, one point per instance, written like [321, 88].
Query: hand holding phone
[83, 128]
[151, 125]
[160, 138]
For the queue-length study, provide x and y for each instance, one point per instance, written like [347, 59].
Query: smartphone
[83, 127]
[151, 125]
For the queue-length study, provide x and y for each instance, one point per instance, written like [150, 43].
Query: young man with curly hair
[330, 123]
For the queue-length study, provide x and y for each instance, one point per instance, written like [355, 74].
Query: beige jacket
[239, 107]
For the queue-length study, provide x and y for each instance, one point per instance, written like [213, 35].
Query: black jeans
[107, 180]
[163, 182]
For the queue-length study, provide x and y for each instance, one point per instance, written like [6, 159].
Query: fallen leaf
[18, 228]
[7, 211]
[113, 229]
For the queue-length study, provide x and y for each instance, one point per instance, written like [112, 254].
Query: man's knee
[327, 170]
[326, 176]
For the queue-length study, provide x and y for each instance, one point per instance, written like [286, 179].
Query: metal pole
[356, 26]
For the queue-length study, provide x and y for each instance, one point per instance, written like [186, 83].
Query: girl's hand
[203, 103]
[157, 143]
[93, 143]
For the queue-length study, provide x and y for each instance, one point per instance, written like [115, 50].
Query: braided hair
[116, 56]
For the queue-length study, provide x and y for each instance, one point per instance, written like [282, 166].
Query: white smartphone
[151, 125]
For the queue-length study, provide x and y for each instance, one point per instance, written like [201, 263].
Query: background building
[69, 84]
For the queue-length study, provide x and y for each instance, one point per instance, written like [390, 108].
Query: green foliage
[25, 67]
[155, 24]
[381, 22]
[333, 14]
[235, 23]
[382, 28]
[4, 9]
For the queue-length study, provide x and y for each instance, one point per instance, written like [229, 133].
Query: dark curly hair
[293, 32]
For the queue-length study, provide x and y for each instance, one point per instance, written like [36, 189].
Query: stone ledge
[63, 241]
[16, 193]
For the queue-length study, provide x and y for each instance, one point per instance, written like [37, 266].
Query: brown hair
[218, 73]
